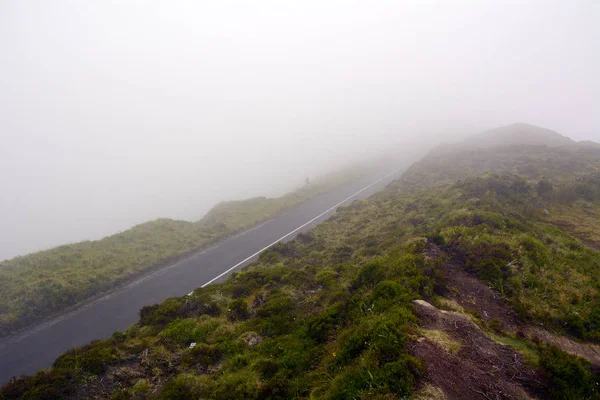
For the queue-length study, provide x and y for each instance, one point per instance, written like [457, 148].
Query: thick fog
[114, 113]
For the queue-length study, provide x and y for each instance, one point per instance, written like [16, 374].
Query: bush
[319, 326]
[370, 274]
[92, 358]
[238, 310]
[295, 354]
[399, 376]
[240, 386]
[142, 389]
[161, 314]
[386, 294]
[350, 384]
[203, 354]
[266, 368]
[382, 335]
[186, 387]
[51, 384]
[269, 257]
[592, 324]
[180, 331]
[535, 250]
[488, 257]
[277, 315]
[545, 189]
[570, 376]
[394, 378]
[241, 289]
[326, 277]
[306, 238]
[436, 238]
[277, 388]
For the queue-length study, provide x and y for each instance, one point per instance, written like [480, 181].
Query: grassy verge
[41, 284]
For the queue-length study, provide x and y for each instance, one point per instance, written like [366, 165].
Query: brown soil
[590, 352]
[113, 379]
[480, 369]
[475, 296]
[572, 230]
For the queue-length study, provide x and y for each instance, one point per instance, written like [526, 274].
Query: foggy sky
[117, 112]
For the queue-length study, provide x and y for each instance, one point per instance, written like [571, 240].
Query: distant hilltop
[519, 133]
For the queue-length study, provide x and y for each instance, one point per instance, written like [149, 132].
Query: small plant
[186, 387]
[202, 355]
[238, 310]
[570, 376]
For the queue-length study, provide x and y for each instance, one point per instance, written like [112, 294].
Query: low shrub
[277, 315]
[92, 358]
[570, 376]
[186, 387]
[238, 310]
[202, 354]
[161, 314]
[243, 385]
[266, 367]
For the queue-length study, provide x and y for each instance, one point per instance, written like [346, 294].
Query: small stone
[252, 339]
[423, 303]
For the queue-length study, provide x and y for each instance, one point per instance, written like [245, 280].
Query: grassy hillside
[40, 284]
[521, 134]
[563, 165]
[456, 282]
[246, 213]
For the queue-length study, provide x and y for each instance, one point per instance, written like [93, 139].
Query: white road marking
[298, 228]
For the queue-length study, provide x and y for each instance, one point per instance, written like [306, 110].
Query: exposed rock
[252, 338]
[423, 303]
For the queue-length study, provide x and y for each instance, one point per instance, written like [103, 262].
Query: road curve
[37, 348]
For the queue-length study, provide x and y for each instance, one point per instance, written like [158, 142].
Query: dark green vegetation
[40, 284]
[329, 315]
[272, 331]
[512, 215]
[571, 377]
[562, 167]
[518, 134]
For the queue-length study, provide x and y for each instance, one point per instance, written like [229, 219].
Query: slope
[41, 284]
[456, 286]
[518, 134]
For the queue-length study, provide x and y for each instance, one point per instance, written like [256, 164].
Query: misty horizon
[114, 115]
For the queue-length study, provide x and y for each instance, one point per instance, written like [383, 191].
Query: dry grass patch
[429, 392]
[451, 305]
[581, 220]
[442, 339]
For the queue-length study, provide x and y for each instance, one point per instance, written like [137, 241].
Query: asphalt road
[37, 348]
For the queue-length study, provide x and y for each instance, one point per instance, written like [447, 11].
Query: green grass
[40, 284]
[441, 339]
[346, 341]
[527, 349]
[241, 214]
[329, 314]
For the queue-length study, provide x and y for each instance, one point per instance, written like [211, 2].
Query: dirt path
[474, 295]
[479, 367]
[464, 362]
[575, 231]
